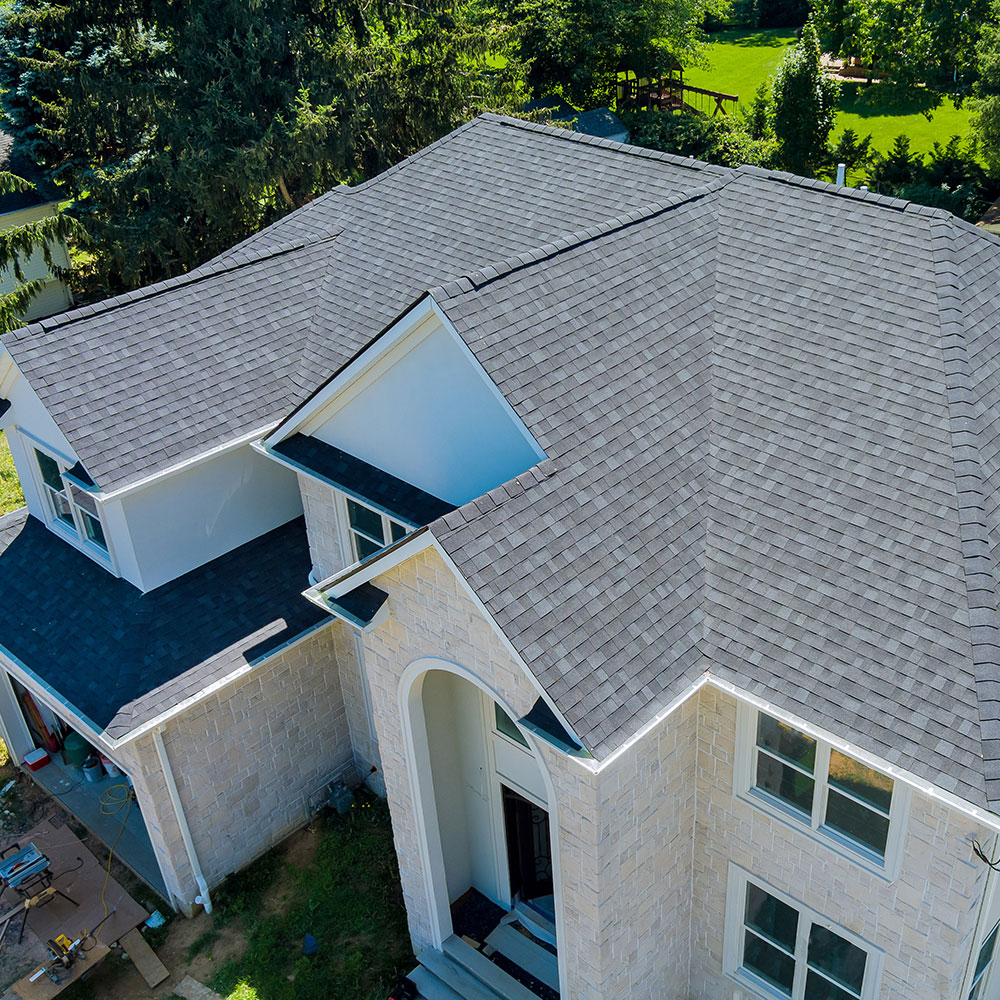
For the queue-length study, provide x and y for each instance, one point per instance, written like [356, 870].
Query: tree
[804, 105]
[578, 46]
[986, 90]
[178, 127]
[18, 243]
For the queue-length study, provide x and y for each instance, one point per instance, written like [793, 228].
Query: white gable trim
[353, 576]
[415, 325]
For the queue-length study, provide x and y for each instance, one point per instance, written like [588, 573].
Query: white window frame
[736, 892]
[989, 918]
[886, 867]
[348, 532]
[77, 534]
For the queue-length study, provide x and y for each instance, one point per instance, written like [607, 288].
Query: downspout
[175, 800]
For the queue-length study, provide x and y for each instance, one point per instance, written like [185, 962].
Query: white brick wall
[321, 526]
[247, 760]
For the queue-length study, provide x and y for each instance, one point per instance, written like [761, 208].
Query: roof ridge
[977, 554]
[202, 273]
[626, 148]
[492, 272]
[844, 191]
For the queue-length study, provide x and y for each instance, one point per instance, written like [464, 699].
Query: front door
[529, 851]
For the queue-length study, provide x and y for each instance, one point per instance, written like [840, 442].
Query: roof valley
[977, 555]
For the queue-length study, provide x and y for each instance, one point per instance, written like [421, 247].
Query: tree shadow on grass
[765, 38]
[881, 99]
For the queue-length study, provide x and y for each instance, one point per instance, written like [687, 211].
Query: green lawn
[740, 61]
[10, 489]
[348, 898]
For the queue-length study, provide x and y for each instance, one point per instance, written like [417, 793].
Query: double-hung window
[851, 805]
[984, 965]
[74, 508]
[785, 950]
[370, 530]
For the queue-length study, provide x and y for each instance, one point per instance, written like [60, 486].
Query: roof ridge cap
[201, 273]
[492, 272]
[978, 558]
[514, 487]
[627, 148]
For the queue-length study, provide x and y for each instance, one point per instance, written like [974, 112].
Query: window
[506, 725]
[984, 963]
[807, 780]
[786, 950]
[370, 530]
[69, 505]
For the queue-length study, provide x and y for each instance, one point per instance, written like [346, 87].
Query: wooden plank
[144, 958]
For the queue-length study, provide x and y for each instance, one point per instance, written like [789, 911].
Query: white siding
[55, 297]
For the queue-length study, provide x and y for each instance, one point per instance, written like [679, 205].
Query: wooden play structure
[669, 92]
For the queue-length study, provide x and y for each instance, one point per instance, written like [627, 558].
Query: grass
[348, 898]
[740, 61]
[11, 496]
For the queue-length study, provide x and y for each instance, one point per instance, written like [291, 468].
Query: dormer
[409, 430]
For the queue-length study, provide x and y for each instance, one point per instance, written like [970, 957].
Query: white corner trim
[188, 463]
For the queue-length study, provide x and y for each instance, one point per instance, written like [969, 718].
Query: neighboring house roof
[600, 122]
[149, 379]
[121, 657]
[768, 411]
[11, 161]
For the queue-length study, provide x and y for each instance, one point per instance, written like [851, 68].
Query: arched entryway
[486, 817]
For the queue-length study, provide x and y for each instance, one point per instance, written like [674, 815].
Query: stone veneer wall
[623, 837]
[319, 506]
[924, 921]
[247, 760]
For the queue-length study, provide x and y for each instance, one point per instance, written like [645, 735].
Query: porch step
[526, 954]
[533, 921]
[431, 988]
[465, 972]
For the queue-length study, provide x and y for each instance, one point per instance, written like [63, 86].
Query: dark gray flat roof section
[351, 475]
[122, 657]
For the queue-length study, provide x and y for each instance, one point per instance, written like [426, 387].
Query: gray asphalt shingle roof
[147, 380]
[768, 412]
[122, 657]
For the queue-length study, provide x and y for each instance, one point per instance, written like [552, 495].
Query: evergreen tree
[804, 105]
[179, 127]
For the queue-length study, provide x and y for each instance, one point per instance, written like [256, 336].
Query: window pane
[365, 520]
[61, 507]
[94, 530]
[818, 988]
[986, 951]
[859, 780]
[397, 531]
[857, 821]
[364, 547]
[785, 782]
[771, 917]
[836, 958]
[783, 741]
[768, 962]
[50, 471]
[507, 726]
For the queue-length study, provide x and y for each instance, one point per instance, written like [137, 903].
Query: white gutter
[175, 800]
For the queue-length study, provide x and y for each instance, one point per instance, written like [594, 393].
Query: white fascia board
[313, 411]
[188, 463]
[353, 576]
[250, 667]
[922, 785]
[53, 699]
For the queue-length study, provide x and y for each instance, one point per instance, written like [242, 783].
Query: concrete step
[430, 987]
[526, 954]
[489, 975]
